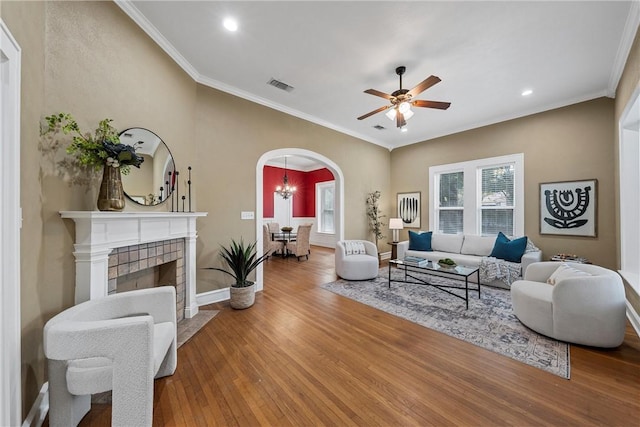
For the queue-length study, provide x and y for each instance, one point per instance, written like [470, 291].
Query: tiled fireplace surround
[125, 261]
[108, 243]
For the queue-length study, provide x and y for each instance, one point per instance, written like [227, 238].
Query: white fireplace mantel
[98, 233]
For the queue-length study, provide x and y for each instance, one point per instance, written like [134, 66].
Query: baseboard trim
[212, 297]
[385, 255]
[39, 409]
[633, 317]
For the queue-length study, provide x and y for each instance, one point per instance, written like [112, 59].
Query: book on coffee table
[414, 260]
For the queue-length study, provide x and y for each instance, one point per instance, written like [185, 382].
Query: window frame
[629, 191]
[472, 184]
[320, 186]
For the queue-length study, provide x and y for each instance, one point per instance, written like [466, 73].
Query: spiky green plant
[241, 260]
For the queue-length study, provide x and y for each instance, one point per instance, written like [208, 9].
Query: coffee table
[458, 273]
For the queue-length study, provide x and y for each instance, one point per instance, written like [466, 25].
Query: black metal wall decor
[569, 208]
[409, 209]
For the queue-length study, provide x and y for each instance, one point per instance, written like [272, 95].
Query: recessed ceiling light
[527, 92]
[230, 24]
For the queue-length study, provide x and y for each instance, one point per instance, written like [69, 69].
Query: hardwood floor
[304, 356]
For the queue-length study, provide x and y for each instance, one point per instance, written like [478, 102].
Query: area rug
[488, 323]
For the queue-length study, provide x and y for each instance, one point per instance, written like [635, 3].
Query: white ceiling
[485, 52]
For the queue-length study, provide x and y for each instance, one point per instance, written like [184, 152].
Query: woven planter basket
[242, 297]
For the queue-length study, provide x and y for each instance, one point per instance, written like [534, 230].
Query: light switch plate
[247, 215]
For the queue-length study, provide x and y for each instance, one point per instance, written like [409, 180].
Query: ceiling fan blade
[400, 121]
[426, 84]
[377, 93]
[386, 107]
[431, 104]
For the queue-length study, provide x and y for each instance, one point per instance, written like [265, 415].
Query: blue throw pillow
[420, 241]
[509, 250]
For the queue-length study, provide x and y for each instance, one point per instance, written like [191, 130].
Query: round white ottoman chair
[577, 303]
[356, 260]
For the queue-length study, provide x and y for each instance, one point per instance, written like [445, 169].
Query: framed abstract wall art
[409, 209]
[569, 208]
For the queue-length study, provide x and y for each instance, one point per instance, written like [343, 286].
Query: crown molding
[628, 35]
[129, 8]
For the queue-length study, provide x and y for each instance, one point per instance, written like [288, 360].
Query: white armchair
[119, 342]
[354, 266]
[588, 309]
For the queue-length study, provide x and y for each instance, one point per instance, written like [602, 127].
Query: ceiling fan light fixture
[404, 107]
[391, 114]
[408, 114]
[403, 129]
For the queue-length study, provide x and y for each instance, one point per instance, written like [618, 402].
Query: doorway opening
[296, 152]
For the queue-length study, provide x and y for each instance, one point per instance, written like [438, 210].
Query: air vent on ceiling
[379, 127]
[280, 85]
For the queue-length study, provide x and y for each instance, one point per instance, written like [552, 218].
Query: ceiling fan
[402, 100]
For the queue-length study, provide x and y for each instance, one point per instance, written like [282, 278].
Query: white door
[10, 217]
[282, 209]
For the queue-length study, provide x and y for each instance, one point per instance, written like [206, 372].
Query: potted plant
[375, 218]
[103, 150]
[241, 260]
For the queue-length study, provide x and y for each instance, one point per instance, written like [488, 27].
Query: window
[496, 206]
[450, 202]
[478, 197]
[629, 141]
[325, 192]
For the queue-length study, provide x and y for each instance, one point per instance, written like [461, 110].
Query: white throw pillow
[360, 249]
[565, 271]
[477, 245]
[348, 248]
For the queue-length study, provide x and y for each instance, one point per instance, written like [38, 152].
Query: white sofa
[588, 310]
[464, 249]
[356, 266]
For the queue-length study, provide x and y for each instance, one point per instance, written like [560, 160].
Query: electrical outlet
[247, 215]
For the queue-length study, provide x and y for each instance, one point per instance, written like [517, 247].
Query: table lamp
[395, 224]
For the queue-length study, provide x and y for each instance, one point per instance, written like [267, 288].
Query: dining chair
[300, 246]
[270, 246]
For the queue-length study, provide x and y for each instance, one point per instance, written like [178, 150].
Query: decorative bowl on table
[447, 263]
[287, 229]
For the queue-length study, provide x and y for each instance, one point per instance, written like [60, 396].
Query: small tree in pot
[375, 217]
[241, 260]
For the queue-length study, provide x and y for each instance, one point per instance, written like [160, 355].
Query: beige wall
[629, 82]
[72, 60]
[26, 23]
[90, 59]
[232, 135]
[566, 144]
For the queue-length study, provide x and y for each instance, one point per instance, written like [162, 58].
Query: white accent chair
[587, 310]
[356, 266]
[120, 342]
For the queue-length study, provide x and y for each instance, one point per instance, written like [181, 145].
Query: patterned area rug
[488, 323]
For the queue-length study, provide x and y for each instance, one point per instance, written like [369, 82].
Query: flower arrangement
[103, 148]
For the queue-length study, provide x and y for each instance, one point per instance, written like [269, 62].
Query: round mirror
[151, 184]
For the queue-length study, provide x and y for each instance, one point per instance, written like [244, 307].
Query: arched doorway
[339, 196]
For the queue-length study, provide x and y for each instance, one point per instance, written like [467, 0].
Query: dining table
[285, 237]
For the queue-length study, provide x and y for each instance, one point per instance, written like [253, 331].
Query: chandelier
[285, 190]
